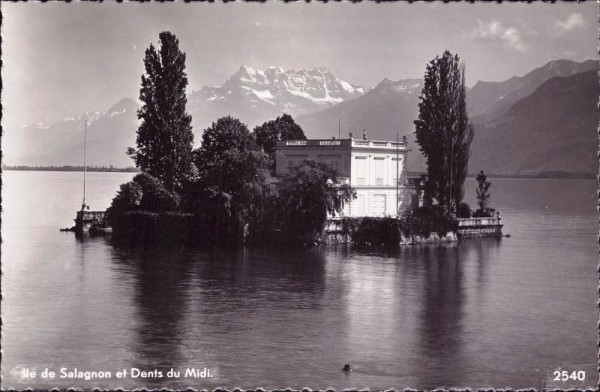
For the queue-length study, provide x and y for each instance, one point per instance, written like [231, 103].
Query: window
[395, 170]
[361, 170]
[379, 170]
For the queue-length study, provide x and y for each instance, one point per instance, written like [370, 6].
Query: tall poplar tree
[443, 131]
[164, 137]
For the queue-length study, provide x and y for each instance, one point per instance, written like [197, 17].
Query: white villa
[375, 169]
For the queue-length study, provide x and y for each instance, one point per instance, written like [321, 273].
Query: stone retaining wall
[480, 227]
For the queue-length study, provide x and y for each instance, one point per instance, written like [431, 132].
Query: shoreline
[103, 169]
[558, 176]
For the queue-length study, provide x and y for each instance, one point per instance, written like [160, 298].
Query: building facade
[375, 169]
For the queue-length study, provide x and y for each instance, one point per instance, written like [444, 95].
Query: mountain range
[552, 130]
[495, 98]
[548, 101]
[256, 96]
[544, 121]
[109, 133]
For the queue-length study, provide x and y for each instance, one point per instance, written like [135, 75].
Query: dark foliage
[306, 194]
[485, 213]
[389, 232]
[443, 131]
[423, 221]
[233, 182]
[350, 225]
[378, 232]
[156, 229]
[155, 197]
[128, 198]
[282, 128]
[463, 211]
[483, 191]
[142, 193]
[226, 134]
[164, 137]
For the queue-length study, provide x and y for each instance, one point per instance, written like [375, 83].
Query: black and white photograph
[299, 195]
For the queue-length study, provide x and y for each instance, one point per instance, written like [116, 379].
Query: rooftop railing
[342, 143]
[378, 144]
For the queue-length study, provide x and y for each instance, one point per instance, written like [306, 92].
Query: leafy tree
[226, 134]
[443, 131]
[142, 193]
[128, 198]
[155, 197]
[282, 128]
[307, 193]
[164, 137]
[232, 184]
[483, 194]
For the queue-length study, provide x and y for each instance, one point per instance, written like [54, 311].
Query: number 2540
[565, 375]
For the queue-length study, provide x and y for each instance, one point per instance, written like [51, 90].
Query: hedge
[150, 228]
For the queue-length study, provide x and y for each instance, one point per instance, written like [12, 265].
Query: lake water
[483, 313]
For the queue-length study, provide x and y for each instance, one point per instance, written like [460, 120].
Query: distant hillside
[391, 108]
[387, 109]
[551, 130]
[494, 98]
[384, 112]
[109, 134]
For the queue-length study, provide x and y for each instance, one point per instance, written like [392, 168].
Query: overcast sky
[64, 59]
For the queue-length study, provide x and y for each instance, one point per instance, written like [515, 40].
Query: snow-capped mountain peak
[294, 91]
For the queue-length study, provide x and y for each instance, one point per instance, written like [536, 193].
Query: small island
[274, 187]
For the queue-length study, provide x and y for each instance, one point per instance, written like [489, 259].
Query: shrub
[486, 213]
[128, 198]
[377, 232]
[463, 211]
[423, 221]
[155, 197]
[150, 228]
[143, 193]
[350, 225]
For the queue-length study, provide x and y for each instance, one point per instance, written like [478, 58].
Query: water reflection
[484, 252]
[441, 316]
[211, 298]
[159, 278]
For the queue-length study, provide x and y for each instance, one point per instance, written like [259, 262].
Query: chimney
[364, 135]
